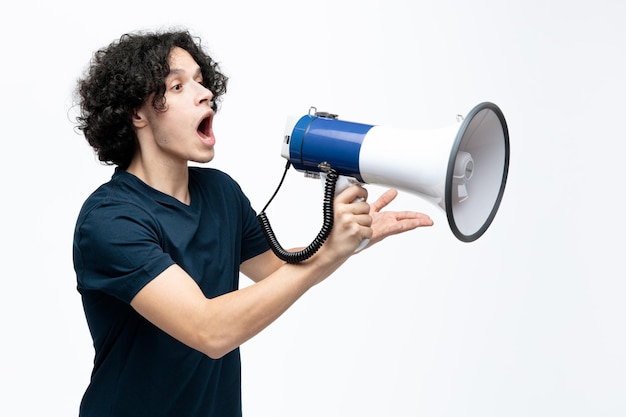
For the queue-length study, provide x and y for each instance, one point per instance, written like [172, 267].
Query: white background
[526, 321]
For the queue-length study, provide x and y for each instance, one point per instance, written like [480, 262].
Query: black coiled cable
[316, 244]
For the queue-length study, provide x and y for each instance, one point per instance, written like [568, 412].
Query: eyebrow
[176, 71]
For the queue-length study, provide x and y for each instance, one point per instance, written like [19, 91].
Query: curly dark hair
[122, 76]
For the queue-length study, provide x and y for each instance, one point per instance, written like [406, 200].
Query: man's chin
[208, 157]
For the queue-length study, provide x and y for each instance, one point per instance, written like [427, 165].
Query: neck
[171, 180]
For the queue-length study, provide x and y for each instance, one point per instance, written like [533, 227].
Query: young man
[158, 249]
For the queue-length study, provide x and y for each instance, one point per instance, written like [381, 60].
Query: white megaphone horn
[460, 168]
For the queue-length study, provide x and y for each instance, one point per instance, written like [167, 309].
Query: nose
[204, 95]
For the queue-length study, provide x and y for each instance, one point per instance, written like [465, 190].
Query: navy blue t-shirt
[127, 233]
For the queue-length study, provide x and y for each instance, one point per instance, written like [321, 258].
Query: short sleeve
[117, 250]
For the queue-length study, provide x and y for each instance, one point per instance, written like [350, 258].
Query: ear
[139, 118]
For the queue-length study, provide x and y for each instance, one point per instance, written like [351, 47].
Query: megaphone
[462, 168]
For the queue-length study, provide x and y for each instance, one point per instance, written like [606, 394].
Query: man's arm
[174, 302]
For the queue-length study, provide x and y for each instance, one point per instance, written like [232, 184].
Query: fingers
[352, 193]
[357, 218]
[415, 219]
[412, 217]
[352, 218]
[382, 201]
[355, 210]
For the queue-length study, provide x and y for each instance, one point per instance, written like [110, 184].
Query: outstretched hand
[387, 223]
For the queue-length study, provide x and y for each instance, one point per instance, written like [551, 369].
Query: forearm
[174, 303]
[234, 318]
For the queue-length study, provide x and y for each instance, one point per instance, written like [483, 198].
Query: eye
[177, 87]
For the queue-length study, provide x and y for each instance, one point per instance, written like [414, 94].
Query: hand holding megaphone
[343, 182]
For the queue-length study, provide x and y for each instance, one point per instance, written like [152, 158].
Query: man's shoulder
[119, 195]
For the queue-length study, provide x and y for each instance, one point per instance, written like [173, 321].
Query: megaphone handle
[344, 182]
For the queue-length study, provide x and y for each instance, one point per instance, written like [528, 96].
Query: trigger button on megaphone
[326, 115]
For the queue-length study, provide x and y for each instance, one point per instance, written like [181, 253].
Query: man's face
[183, 132]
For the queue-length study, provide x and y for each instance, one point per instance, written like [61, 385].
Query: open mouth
[205, 126]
